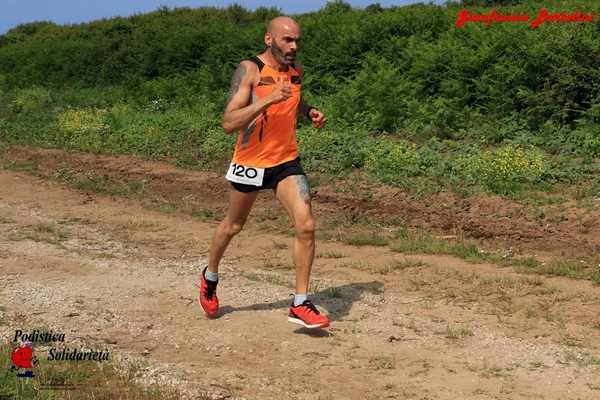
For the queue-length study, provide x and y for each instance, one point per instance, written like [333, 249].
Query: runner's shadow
[314, 332]
[336, 300]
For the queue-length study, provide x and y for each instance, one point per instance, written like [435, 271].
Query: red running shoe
[306, 314]
[208, 296]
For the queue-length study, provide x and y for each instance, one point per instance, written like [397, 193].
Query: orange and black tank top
[270, 139]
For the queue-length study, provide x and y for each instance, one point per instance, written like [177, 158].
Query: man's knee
[232, 228]
[306, 227]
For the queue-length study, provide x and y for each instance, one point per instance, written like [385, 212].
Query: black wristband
[308, 111]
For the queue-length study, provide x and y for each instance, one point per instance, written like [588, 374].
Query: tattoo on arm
[236, 81]
[304, 189]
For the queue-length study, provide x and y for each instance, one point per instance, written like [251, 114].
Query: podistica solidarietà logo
[24, 360]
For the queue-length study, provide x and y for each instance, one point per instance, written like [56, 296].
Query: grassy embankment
[413, 101]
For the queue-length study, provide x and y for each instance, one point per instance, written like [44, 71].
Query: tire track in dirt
[109, 271]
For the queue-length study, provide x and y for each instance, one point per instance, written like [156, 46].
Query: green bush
[30, 99]
[89, 97]
[83, 129]
[404, 70]
[394, 162]
[3, 85]
[3, 127]
[173, 133]
[376, 99]
[504, 169]
[187, 89]
[216, 148]
[184, 134]
[336, 149]
[591, 144]
[510, 128]
[409, 97]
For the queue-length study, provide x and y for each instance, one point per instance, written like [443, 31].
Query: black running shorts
[273, 176]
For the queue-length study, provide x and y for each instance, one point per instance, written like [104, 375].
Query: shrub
[393, 162]
[498, 131]
[147, 133]
[3, 84]
[591, 145]
[83, 129]
[187, 135]
[376, 98]
[216, 147]
[3, 127]
[502, 170]
[587, 138]
[30, 99]
[80, 121]
[335, 149]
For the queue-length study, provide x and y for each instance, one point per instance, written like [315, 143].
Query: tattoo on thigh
[303, 187]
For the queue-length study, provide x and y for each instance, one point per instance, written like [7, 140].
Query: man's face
[284, 44]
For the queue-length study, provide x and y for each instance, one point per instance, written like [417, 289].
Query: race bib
[247, 175]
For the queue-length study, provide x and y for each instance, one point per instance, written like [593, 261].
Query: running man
[264, 101]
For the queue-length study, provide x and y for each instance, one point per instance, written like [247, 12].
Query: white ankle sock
[211, 276]
[299, 299]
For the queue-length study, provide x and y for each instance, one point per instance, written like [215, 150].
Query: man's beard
[280, 56]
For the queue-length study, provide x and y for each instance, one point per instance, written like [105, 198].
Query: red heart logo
[21, 357]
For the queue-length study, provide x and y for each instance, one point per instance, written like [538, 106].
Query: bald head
[279, 24]
[282, 37]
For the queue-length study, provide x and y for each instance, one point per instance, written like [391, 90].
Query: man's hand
[281, 93]
[318, 118]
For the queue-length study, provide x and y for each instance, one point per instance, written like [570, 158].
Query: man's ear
[268, 39]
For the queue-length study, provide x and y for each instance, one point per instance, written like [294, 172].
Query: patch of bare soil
[111, 271]
[564, 229]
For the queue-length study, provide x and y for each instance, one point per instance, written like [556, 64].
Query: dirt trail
[548, 224]
[115, 273]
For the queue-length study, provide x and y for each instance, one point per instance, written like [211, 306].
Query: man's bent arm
[304, 108]
[238, 113]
